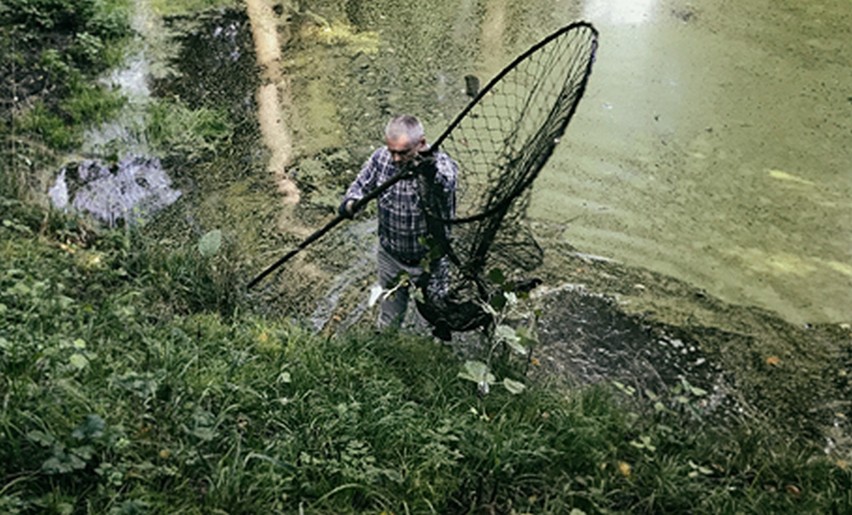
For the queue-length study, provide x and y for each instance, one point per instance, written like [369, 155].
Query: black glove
[346, 209]
[426, 163]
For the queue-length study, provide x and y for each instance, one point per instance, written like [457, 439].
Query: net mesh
[501, 142]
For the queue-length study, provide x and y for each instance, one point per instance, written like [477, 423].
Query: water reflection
[619, 12]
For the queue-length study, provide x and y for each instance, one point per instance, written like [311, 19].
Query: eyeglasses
[401, 153]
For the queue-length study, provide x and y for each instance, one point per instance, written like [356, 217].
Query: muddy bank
[604, 321]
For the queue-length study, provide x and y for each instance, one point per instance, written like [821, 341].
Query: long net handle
[329, 226]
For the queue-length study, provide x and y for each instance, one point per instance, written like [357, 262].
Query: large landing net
[501, 141]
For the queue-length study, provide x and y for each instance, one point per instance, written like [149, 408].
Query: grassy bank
[136, 380]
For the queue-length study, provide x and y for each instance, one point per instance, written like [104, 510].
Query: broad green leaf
[41, 438]
[518, 348]
[62, 462]
[498, 301]
[143, 385]
[210, 243]
[79, 344]
[527, 335]
[514, 387]
[78, 361]
[92, 427]
[84, 452]
[507, 334]
[477, 372]
[496, 276]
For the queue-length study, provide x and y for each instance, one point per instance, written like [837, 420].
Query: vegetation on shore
[135, 379]
[53, 50]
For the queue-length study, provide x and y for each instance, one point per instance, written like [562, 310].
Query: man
[403, 221]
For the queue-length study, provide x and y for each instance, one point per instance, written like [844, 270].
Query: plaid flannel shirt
[401, 219]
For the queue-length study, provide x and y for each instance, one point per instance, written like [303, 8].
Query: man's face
[401, 149]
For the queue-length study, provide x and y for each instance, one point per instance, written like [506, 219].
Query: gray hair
[405, 125]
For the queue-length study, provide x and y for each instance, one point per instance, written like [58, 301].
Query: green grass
[54, 49]
[179, 7]
[134, 379]
[61, 127]
[171, 127]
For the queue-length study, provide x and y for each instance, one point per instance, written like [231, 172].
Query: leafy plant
[504, 306]
[171, 127]
[210, 243]
[54, 49]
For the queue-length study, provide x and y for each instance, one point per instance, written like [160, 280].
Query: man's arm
[363, 184]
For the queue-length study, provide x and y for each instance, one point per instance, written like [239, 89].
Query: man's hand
[347, 209]
[425, 163]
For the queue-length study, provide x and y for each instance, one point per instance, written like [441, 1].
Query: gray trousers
[392, 310]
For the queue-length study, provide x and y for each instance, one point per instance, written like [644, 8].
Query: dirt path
[273, 96]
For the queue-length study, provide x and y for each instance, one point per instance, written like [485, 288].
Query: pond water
[711, 144]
